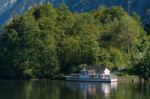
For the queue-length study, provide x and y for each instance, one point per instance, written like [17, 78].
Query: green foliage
[147, 28]
[143, 67]
[47, 41]
[30, 48]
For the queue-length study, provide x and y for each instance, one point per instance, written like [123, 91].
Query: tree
[88, 31]
[29, 49]
[46, 41]
[120, 32]
[143, 67]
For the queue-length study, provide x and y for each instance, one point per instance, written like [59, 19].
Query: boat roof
[95, 67]
[98, 69]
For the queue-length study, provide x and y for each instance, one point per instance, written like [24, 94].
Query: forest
[46, 42]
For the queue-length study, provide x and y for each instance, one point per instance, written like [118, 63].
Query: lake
[72, 90]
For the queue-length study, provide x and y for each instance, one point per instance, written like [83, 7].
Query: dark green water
[72, 90]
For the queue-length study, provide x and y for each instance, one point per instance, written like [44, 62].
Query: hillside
[45, 42]
[9, 8]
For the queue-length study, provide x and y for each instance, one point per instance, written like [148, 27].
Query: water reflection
[72, 90]
[90, 89]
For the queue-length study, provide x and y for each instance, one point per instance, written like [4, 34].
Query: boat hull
[91, 79]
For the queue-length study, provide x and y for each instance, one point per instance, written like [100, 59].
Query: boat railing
[94, 76]
[102, 76]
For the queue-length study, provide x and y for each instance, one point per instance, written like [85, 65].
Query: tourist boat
[93, 74]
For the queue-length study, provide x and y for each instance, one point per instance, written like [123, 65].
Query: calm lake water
[72, 90]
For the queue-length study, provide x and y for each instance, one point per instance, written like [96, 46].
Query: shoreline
[132, 79]
[126, 79]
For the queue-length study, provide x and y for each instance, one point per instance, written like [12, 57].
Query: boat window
[84, 73]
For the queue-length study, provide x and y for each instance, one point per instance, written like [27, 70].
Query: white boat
[93, 74]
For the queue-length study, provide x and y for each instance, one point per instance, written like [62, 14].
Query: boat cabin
[95, 70]
[93, 73]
